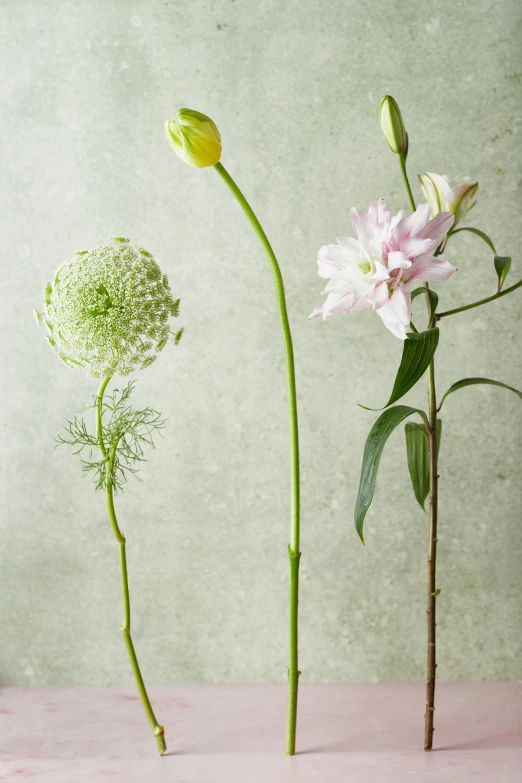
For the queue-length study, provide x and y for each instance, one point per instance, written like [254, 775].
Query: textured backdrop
[295, 89]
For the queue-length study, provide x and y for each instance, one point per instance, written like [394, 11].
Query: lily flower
[457, 198]
[391, 255]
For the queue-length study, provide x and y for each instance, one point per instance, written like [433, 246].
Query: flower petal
[437, 228]
[379, 213]
[430, 270]
[331, 259]
[378, 295]
[415, 246]
[361, 225]
[436, 187]
[414, 223]
[396, 313]
[461, 199]
[381, 273]
[397, 260]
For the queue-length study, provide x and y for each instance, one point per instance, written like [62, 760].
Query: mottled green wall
[295, 88]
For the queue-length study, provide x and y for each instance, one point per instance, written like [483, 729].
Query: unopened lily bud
[195, 138]
[444, 196]
[392, 125]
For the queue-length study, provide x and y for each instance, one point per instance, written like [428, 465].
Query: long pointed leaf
[417, 450]
[418, 351]
[502, 267]
[472, 381]
[379, 434]
[478, 233]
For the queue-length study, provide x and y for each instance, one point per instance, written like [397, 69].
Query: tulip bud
[194, 137]
[392, 125]
[443, 196]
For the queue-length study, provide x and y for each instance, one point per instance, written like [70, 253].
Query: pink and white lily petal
[378, 295]
[381, 272]
[361, 225]
[429, 269]
[396, 313]
[438, 227]
[414, 223]
[330, 259]
[415, 246]
[398, 260]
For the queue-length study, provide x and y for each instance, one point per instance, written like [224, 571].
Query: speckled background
[295, 89]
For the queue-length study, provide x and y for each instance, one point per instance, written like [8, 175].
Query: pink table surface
[347, 733]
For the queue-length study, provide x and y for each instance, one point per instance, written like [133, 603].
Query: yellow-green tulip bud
[392, 125]
[195, 138]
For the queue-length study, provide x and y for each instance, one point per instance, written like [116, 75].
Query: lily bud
[392, 125]
[194, 137]
[443, 196]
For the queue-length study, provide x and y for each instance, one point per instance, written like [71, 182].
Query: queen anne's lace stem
[125, 627]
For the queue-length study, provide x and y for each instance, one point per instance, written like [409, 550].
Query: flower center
[106, 304]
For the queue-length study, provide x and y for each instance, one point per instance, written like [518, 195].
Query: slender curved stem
[293, 549]
[125, 627]
[402, 163]
[480, 302]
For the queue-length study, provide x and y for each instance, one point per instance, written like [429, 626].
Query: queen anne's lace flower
[108, 309]
[390, 256]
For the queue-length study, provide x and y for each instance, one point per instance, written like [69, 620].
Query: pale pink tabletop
[350, 733]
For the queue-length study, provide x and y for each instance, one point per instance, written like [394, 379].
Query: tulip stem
[480, 302]
[125, 627]
[402, 163]
[293, 549]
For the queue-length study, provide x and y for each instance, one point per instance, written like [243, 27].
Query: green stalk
[481, 301]
[432, 562]
[432, 525]
[125, 628]
[293, 548]
[402, 163]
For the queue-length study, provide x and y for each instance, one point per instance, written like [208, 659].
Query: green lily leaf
[434, 300]
[379, 434]
[502, 267]
[417, 450]
[478, 233]
[472, 381]
[417, 353]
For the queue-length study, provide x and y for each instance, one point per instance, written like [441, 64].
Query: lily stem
[480, 302]
[402, 163]
[293, 548]
[432, 562]
[125, 628]
[432, 528]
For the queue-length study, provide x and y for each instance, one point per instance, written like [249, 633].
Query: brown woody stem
[432, 564]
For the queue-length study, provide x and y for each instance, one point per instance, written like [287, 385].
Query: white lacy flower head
[390, 256]
[108, 309]
[457, 197]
